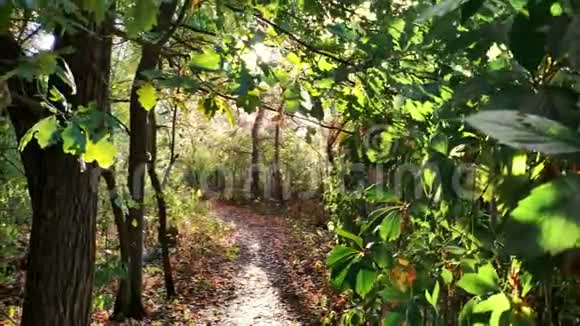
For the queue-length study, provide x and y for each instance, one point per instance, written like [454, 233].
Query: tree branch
[269, 108]
[281, 30]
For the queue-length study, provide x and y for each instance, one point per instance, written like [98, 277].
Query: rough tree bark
[255, 168]
[161, 209]
[62, 190]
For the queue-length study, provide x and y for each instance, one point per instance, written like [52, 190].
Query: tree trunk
[278, 189]
[136, 182]
[172, 156]
[120, 222]
[138, 158]
[162, 209]
[255, 168]
[62, 190]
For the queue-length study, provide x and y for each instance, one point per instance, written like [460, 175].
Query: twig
[123, 126]
[281, 30]
[16, 167]
[269, 108]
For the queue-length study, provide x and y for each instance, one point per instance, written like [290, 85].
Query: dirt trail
[257, 301]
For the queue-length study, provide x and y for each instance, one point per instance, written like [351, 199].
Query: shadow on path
[266, 293]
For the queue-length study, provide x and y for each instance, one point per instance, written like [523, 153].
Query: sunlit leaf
[480, 283]
[527, 131]
[447, 276]
[496, 304]
[208, 60]
[147, 96]
[547, 220]
[103, 152]
[46, 132]
[433, 297]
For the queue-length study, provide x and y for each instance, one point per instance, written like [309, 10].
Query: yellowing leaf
[208, 60]
[225, 108]
[293, 58]
[103, 152]
[45, 131]
[519, 163]
[147, 96]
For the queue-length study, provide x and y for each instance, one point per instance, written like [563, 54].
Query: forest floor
[239, 265]
[271, 272]
[269, 291]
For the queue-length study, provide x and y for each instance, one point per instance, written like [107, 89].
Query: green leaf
[547, 220]
[497, 304]
[325, 65]
[147, 96]
[390, 228]
[344, 233]
[103, 152]
[556, 9]
[382, 255]
[46, 132]
[528, 131]
[339, 255]
[433, 297]
[447, 276]
[464, 318]
[293, 59]
[226, 109]
[496, 301]
[209, 60]
[74, 140]
[473, 284]
[292, 99]
[142, 17]
[519, 5]
[365, 280]
[440, 143]
[527, 41]
[519, 163]
[485, 281]
[488, 273]
[340, 272]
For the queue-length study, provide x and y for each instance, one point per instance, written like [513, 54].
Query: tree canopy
[444, 133]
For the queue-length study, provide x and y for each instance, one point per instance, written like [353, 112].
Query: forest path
[258, 299]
